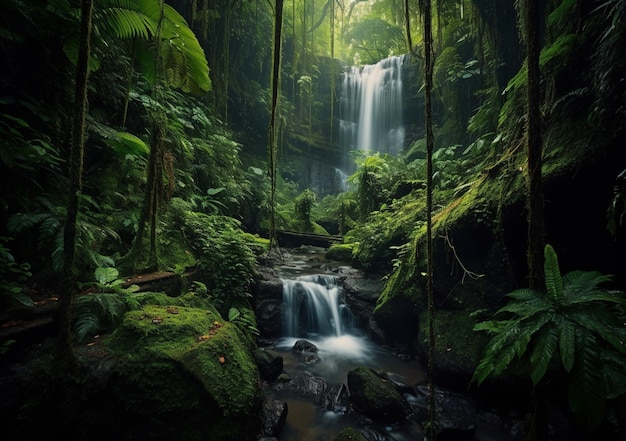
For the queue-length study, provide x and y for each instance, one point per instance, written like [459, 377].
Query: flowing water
[371, 117]
[314, 310]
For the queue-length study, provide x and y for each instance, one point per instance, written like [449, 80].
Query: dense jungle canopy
[148, 137]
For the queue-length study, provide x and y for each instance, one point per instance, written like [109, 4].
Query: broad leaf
[567, 343]
[544, 349]
[554, 282]
[106, 275]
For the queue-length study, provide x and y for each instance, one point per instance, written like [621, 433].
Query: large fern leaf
[543, 351]
[554, 282]
[586, 386]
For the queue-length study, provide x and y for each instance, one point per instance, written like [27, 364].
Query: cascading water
[371, 116]
[311, 307]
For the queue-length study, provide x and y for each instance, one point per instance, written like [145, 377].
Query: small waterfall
[311, 307]
[371, 107]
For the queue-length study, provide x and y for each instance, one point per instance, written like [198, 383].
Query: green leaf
[233, 314]
[106, 275]
[567, 344]
[544, 349]
[554, 282]
[586, 385]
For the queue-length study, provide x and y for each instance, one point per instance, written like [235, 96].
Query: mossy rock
[188, 361]
[375, 397]
[340, 252]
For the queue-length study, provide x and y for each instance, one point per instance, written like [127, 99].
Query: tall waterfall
[311, 307]
[371, 107]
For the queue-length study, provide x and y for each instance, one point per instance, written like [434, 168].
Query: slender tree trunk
[536, 230]
[273, 130]
[76, 172]
[536, 234]
[428, 85]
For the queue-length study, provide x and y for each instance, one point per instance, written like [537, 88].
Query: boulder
[270, 364]
[274, 417]
[376, 397]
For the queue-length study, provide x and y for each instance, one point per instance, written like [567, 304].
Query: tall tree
[536, 233]
[75, 181]
[426, 10]
[536, 239]
[273, 129]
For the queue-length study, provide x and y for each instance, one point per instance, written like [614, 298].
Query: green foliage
[13, 277]
[575, 322]
[303, 207]
[374, 39]
[103, 310]
[225, 261]
[245, 320]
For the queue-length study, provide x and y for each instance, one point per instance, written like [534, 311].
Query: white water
[371, 117]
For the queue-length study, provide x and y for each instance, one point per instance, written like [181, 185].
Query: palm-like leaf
[554, 282]
[575, 318]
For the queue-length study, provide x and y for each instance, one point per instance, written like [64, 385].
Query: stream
[313, 311]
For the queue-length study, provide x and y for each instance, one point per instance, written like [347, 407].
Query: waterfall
[371, 108]
[311, 307]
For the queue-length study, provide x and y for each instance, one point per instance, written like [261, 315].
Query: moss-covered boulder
[186, 373]
[340, 252]
[376, 397]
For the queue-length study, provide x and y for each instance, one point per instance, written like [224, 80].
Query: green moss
[181, 341]
[456, 343]
[340, 252]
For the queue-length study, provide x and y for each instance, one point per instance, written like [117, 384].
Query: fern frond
[613, 374]
[567, 343]
[602, 323]
[544, 349]
[554, 282]
[526, 303]
[586, 386]
[583, 286]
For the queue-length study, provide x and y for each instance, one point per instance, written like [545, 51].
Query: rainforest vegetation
[172, 139]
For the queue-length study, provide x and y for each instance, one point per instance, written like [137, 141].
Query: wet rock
[305, 385]
[268, 297]
[376, 397]
[337, 399]
[456, 414]
[350, 434]
[307, 349]
[304, 346]
[274, 417]
[269, 362]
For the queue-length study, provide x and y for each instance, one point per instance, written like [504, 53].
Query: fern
[575, 322]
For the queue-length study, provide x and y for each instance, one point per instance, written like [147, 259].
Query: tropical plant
[245, 320]
[13, 276]
[103, 309]
[574, 321]
[303, 206]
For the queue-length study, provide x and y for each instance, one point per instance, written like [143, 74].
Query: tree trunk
[68, 284]
[536, 239]
[278, 19]
[428, 85]
[538, 430]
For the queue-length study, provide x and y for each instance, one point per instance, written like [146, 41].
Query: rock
[270, 364]
[337, 399]
[304, 384]
[375, 397]
[274, 417]
[268, 297]
[307, 349]
[456, 414]
[304, 346]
